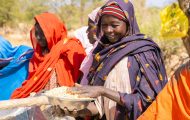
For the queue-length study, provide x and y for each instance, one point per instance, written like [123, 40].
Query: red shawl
[65, 57]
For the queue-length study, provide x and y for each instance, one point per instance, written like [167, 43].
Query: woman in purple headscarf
[127, 72]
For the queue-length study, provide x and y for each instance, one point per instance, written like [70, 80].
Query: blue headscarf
[13, 67]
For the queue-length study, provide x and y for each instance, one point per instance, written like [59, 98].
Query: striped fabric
[114, 10]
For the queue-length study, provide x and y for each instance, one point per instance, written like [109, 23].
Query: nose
[87, 30]
[108, 29]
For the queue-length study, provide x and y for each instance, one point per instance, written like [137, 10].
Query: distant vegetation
[74, 14]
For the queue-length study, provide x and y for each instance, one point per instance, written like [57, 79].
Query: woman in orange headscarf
[173, 102]
[56, 58]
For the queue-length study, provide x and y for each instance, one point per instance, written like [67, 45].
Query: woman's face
[91, 31]
[113, 28]
[40, 36]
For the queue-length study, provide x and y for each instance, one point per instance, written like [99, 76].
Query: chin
[112, 40]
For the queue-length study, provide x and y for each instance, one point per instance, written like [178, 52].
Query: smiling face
[113, 28]
[40, 36]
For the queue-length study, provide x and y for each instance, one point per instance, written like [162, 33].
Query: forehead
[110, 19]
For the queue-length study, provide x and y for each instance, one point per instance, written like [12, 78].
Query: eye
[104, 25]
[114, 26]
[37, 35]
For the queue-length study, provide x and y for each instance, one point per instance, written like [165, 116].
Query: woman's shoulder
[74, 41]
[74, 45]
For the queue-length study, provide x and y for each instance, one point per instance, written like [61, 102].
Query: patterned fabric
[93, 14]
[53, 82]
[65, 56]
[146, 69]
[14, 67]
[173, 102]
[113, 9]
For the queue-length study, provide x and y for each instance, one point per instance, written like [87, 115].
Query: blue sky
[159, 3]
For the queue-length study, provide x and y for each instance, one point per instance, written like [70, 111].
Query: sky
[159, 3]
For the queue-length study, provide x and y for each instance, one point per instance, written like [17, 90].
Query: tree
[35, 7]
[148, 19]
[75, 13]
[8, 11]
[185, 6]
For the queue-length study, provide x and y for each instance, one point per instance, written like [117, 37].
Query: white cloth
[93, 14]
[117, 80]
[86, 64]
[82, 36]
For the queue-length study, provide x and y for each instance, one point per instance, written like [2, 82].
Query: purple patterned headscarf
[128, 9]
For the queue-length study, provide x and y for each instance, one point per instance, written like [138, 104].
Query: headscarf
[65, 57]
[14, 67]
[114, 10]
[128, 9]
[130, 45]
[82, 36]
[93, 14]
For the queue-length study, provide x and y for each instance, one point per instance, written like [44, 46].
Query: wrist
[102, 90]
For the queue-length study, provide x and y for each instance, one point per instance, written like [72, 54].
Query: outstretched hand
[86, 91]
[73, 113]
[64, 111]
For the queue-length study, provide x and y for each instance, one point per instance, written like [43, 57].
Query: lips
[110, 37]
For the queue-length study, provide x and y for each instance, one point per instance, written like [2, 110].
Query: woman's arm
[96, 91]
[113, 95]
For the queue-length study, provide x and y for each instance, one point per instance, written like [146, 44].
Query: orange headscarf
[65, 57]
[173, 102]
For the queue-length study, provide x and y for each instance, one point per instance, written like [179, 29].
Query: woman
[13, 62]
[127, 72]
[173, 101]
[93, 39]
[87, 34]
[56, 58]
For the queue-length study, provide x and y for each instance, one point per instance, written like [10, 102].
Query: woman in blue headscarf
[127, 72]
[13, 67]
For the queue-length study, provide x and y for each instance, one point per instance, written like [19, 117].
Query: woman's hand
[73, 113]
[86, 91]
[94, 92]
[89, 111]
[58, 111]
